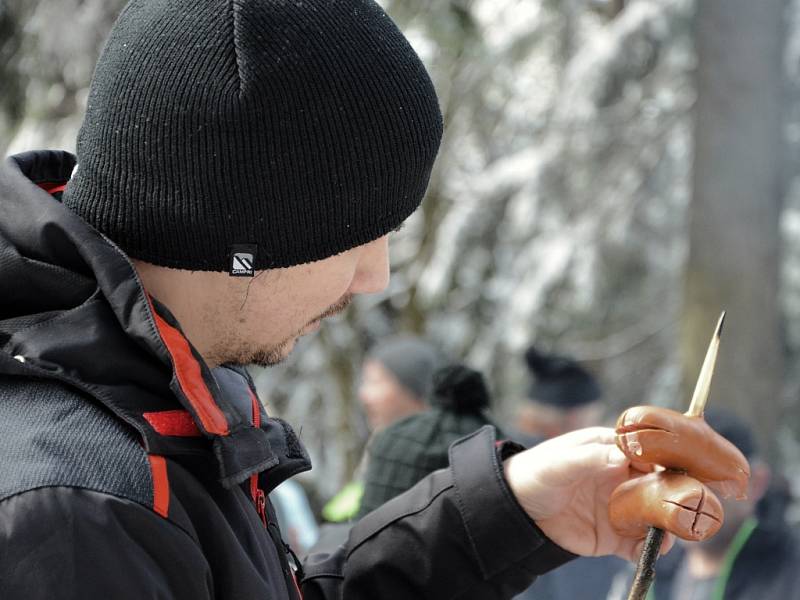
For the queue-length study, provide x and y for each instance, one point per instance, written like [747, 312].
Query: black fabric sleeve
[61, 542]
[459, 533]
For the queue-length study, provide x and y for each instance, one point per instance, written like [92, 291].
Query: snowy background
[558, 211]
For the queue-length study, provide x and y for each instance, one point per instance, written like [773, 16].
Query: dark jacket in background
[582, 579]
[128, 469]
[766, 568]
[408, 450]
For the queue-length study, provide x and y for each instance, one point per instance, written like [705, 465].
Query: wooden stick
[703, 386]
[646, 567]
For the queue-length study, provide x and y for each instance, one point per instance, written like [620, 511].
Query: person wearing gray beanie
[395, 382]
[404, 452]
[240, 168]
[396, 379]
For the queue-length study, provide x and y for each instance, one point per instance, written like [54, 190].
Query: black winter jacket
[128, 469]
[764, 568]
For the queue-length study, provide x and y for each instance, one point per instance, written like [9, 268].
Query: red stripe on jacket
[53, 187]
[158, 467]
[190, 378]
[257, 423]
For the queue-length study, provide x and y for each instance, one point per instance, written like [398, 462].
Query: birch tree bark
[734, 216]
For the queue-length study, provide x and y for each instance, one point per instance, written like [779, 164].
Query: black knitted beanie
[295, 129]
[560, 381]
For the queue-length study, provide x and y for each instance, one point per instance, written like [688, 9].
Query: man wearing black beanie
[562, 397]
[239, 169]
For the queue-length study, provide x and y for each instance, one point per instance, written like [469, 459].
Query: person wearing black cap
[754, 555]
[240, 167]
[563, 396]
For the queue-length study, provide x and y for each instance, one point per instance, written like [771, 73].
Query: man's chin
[310, 328]
[269, 357]
[275, 356]
[265, 357]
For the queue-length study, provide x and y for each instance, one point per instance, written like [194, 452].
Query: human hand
[684, 443]
[564, 484]
[695, 461]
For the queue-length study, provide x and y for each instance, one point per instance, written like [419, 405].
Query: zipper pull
[261, 506]
[297, 567]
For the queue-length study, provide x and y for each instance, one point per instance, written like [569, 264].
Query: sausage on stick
[676, 498]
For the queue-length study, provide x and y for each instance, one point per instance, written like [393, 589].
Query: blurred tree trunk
[734, 246]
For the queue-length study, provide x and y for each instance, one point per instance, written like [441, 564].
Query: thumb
[574, 453]
[544, 479]
[572, 466]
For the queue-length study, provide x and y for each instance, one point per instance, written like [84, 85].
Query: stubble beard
[243, 354]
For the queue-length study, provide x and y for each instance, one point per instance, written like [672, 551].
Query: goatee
[268, 357]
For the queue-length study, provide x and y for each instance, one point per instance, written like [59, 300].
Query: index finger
[677, 441]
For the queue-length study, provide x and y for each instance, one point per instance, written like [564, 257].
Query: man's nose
[372, 272]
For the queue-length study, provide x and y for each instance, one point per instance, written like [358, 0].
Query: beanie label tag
[242, 260]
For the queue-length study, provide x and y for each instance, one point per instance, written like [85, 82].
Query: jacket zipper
[261, 505]
[258, 494]
[260, 499]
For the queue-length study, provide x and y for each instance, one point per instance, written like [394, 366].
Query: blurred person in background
[396, 379]
[405, 452]
[754, 556]
[563, 396]
[395, 382]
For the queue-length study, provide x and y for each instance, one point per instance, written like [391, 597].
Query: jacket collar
[77, 313]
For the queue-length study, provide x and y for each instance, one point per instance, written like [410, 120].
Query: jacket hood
[73, 309]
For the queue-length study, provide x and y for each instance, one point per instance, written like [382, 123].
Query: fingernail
[634, 447]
